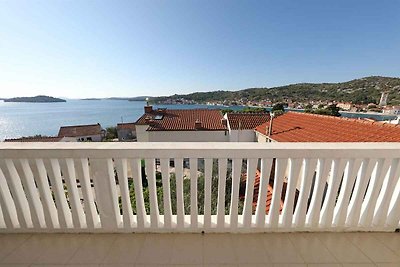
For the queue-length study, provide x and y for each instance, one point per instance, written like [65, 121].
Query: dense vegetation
[35, 99]
[331, 110]
[111, 133]
[186, 193]
[245, 110]
[360, 91]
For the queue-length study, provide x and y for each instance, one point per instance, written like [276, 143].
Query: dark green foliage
[186, 194]
[253, 110]
[278, 107]
[111, 133]
[331, 110]
[245, 110]
[360, 91]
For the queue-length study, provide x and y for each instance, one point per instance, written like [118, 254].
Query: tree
[278, 107]
[331, 110]
[111, 133]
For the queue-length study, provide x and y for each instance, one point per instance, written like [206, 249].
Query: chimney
[272, 115]
[197, 125]
[148, 109]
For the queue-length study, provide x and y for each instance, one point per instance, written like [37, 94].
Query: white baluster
[151, 179]
[354, 211]
[180, 209]
[334, 180]
[342, 204]
[207, 192]
[236, 172]
[386, 193]
[280, 170]
[57, 186]
[308, 172]
[138, 186]
[68, 170]
[49, 208]
[193, 193]
[2, 222]
[102, 171]
[393, 216]
[164, 164]
[7, 204]
[368, 206]
[222, 170]
[312, 218]
[287, 211]
[18, 194]
[265, 173]
[83, 174]
[127, 213]
[32, 195]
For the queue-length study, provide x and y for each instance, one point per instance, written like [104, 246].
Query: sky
[79, 49]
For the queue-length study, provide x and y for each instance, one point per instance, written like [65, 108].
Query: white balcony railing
[128, 187]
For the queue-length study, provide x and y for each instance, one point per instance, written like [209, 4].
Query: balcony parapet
[195, 187]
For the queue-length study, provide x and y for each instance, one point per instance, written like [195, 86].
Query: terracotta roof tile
[127, 126]
[183, 120]
[35, 139]
[269, 194]
[247, 121]
[80, 130]
[257, 189]
[305, 127]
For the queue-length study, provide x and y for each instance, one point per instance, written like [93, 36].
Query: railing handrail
[194, 149]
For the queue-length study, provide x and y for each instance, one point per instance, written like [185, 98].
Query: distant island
[35, 99]
[139, 98]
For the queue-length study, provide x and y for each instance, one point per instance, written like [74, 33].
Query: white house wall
[186, 136]
[141, 134]
[242, 136]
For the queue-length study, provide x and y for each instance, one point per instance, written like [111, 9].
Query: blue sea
[26, 119]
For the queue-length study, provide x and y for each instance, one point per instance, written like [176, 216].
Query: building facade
[83, 133]
[178, 125]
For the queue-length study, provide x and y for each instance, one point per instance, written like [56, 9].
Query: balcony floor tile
[240, 250]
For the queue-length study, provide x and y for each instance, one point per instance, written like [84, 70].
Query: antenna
[147, 101]
[122, 119]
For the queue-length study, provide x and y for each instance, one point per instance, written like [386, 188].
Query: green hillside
[359, 91]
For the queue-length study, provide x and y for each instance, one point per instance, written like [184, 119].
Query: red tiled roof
[247, 120]
[126, 126]
[183, 120]
[80, 130]
[269, 194]
[305, 127]
[35, 139]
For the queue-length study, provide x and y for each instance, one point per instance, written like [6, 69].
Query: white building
[179, 125]
[241, 125]
[394, 110]
[344, 106]
[83, 133]
[126, 131]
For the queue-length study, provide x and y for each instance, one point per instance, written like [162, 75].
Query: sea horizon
[28, 119]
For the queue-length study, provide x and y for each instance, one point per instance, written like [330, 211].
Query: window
[158, 117]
